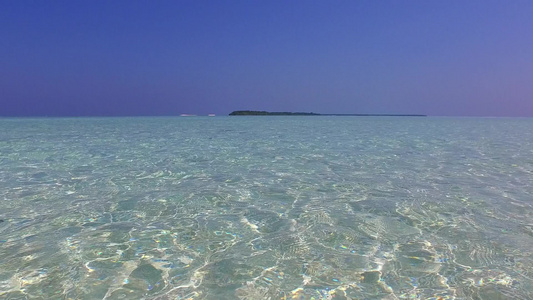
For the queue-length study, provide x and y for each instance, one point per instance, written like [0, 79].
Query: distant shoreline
[284, 113]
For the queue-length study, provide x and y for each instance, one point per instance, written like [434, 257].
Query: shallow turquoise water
[266, 208]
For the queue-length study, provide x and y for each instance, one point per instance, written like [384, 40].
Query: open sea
[266, 208]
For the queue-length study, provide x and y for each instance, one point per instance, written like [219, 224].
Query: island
[267, 113]
[284, 113]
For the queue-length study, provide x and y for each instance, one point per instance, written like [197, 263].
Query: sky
[155, 57]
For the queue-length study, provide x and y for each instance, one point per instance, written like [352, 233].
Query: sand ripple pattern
[266, 208]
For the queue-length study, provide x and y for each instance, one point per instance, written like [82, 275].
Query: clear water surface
[266, 208]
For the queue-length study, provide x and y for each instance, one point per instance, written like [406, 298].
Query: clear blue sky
[78, 58]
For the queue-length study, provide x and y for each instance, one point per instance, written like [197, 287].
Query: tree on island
[285, 113]
[266, 113]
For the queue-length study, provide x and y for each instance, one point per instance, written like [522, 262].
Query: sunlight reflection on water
[266, 208]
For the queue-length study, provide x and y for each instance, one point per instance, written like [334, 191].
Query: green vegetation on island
[267, 113]
[284, 113]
